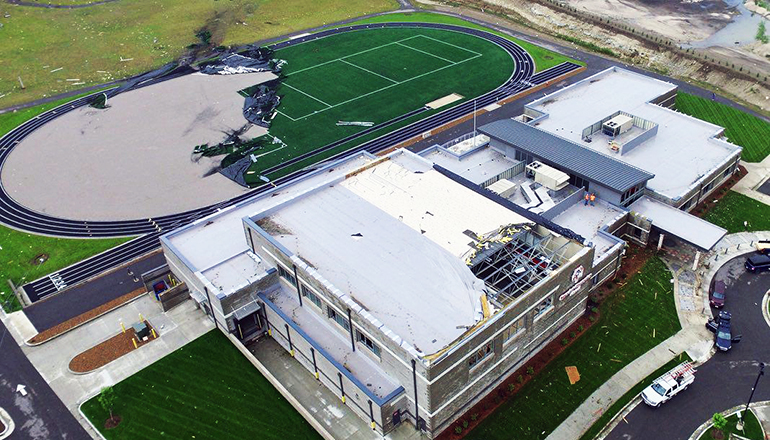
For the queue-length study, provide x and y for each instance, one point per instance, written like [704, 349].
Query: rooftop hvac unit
[617, 125]
[549, 177]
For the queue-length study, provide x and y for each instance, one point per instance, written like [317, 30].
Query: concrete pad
[134, 159]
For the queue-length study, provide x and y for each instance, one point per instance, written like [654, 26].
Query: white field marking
[450, 44]
[367, 70]
[426, 53]
[306, 94]
[284, 114]
[351, 55]
[271, 151]
[381, 89]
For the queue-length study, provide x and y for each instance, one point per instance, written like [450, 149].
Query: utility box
[549, 177]
[617, 125]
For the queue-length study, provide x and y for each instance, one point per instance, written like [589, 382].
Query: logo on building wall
[577, 274]
[577, 287]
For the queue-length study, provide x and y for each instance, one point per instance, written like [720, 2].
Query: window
[288, 276]
[480, 354]
[312, 297]
[339, 319]
[632, 194]
[513, 330]
[360, 337]
[544, 306]
[578, 182]
[727, 172]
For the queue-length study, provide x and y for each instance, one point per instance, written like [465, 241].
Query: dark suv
[758, 263]
[722, 329]
[717, 297]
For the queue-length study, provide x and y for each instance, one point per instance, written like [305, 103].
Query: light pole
[739, 425]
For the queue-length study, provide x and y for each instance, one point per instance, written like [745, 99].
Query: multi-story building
[402, 287]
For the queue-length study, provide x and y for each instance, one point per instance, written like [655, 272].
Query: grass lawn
[544, 58]
[19, 249]
[741, 128]
[645, 304]
[112, 41]
[616, 407]
[735, 208]
[372, 75]
[752, 430]
[206, 390]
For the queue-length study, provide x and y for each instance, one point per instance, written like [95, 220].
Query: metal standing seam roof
[566, 154]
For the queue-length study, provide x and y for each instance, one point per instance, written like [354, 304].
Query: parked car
[717, 296]
[763, 246]
[722, 329]
[670, 384]
[758, 263]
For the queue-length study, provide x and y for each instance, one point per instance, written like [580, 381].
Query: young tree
[107, 398]
[720, 423]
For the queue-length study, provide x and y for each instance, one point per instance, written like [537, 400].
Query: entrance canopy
[687, 227]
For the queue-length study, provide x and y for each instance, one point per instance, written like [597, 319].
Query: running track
[149, 230]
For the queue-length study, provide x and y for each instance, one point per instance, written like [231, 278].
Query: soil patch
[39, 259]
[109, 350]
[65, 326]
[113, 422]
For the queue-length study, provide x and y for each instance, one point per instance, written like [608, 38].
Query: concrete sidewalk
[691, 291]
[177, 327]
[758, 173]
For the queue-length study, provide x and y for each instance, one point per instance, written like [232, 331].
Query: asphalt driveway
[39, 415]
[726, 379]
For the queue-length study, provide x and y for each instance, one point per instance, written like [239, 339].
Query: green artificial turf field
[205, 390]
[372, 75]
[743, 129]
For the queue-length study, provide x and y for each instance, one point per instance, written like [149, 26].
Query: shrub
[580, 328]
[465, 423]
[594, 310]
[474, 417]
[530, 370]
[521, 378]
[511, 387]
[204, 35]
[572, 335]
[458, 429]
[564, 341]
[719, 421]
[591, 318]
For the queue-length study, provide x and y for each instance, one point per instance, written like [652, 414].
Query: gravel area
[134, 159]
[69, 324]
[107, 351]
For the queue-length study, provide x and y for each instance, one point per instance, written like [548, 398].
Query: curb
[727, 413]
[765, 305]
[630, 406]
[83, 416]
[37, 344]
[76, 373]
[8, 422]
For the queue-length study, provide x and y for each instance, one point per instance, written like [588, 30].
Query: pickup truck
[670, 384]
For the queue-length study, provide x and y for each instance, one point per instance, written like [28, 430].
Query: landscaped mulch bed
[47, 335]
[107, 351]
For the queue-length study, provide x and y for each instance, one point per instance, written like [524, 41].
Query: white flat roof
[683, 150]
[679, 223]
[392, 237]
[216, 238]
[588, 220]
[236, 272]
[477, 167]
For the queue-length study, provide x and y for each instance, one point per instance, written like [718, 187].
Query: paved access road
[726, 379]
[39, 415]
[91, 294]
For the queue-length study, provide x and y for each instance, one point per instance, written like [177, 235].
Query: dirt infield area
[133, 159]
